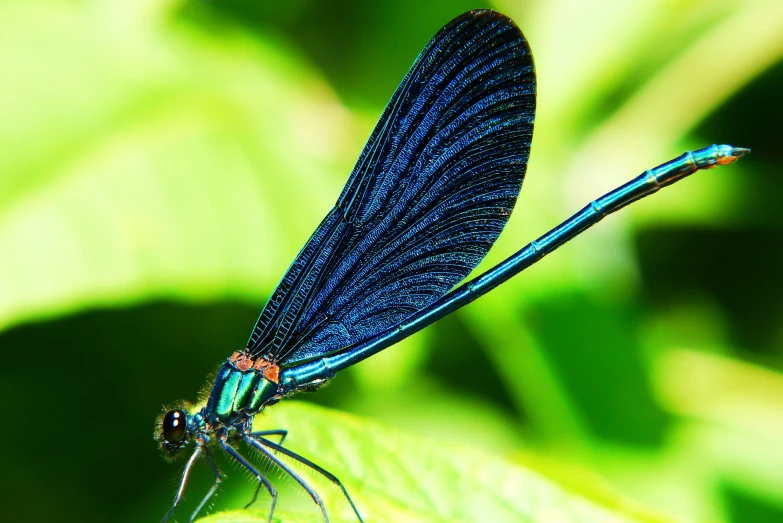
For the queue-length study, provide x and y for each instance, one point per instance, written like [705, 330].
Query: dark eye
[174, 426]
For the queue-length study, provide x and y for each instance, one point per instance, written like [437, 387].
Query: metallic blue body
[430, 194]
[645, 184]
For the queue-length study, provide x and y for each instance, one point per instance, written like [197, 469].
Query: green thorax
[243, 387]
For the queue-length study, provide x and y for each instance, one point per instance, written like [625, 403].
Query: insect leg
[184, 481]
[255, 443]
[260, 477]
[278, 432]
[218, 479]
[306, 462]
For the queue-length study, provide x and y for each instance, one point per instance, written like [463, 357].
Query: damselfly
[430, 194]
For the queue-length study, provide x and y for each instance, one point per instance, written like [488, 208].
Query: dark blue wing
[431, 192]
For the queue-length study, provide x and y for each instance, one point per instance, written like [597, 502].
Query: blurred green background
[161, 163]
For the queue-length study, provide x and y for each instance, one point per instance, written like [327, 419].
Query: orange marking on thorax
[272, 373]
[269, 369]
[243, 362]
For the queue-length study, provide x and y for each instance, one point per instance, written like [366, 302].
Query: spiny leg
[313, 494]
[277, 432]
[218, 479]
[260, 477]
[304, 461]
[184, 481]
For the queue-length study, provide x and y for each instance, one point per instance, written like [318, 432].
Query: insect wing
[430, 194]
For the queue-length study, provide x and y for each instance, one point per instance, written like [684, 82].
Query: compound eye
[175, 424]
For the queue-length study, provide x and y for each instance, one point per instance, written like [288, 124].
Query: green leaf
[394, 476]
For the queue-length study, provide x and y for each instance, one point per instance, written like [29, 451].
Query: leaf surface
[394, 476]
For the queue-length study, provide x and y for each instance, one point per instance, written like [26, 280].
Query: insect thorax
[243, 387]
